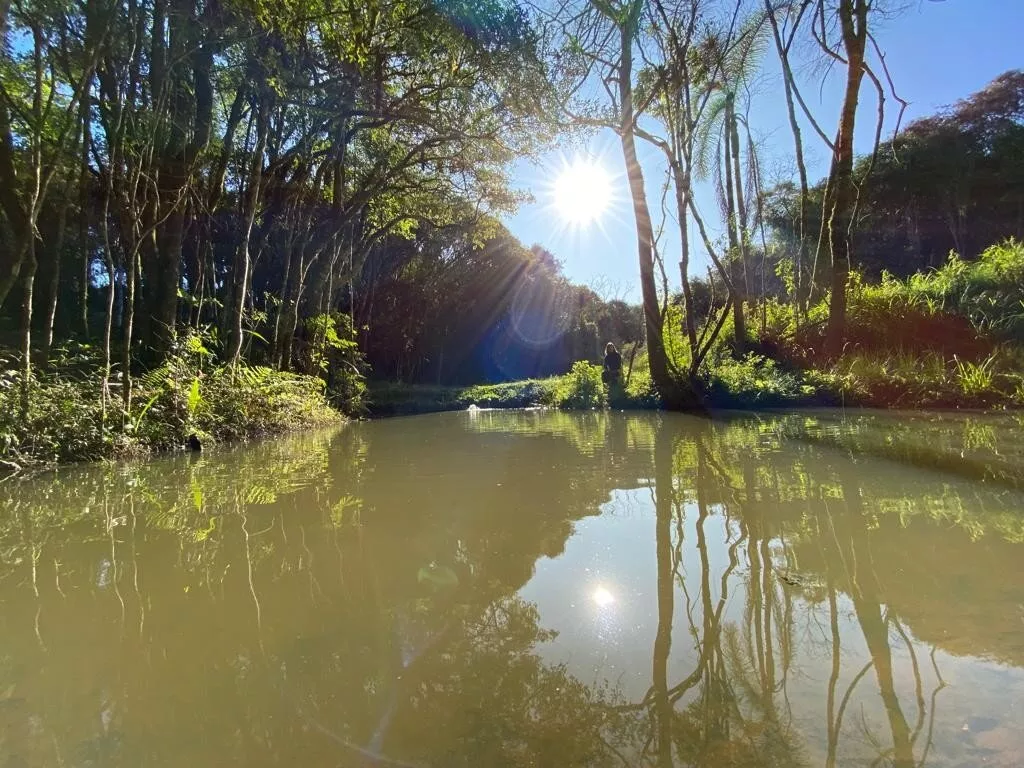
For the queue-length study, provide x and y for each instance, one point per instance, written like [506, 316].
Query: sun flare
[602, 597]
[582, 192]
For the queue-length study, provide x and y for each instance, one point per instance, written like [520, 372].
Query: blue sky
[937, 52]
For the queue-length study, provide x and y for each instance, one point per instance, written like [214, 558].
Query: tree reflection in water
[352, 598]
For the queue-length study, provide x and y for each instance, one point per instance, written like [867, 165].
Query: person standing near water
[612, 365]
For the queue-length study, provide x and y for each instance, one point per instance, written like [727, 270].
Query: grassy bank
[75, 413]
[393, 399]
[580, 389]
[949, 338]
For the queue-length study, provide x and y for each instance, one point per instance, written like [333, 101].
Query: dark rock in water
[194, 444]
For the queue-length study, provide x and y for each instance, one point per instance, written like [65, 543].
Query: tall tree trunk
[202, 46]
[853, 21]
[84, 180]
[298, 286]
[277, 341]
[681, 182]
[108, 322]
[669, 390]
[131, 278]
[11, 260]
[35, 144]
[735, 275]
[26, 327]
[242, 258]
[173, 178]
[85, 206]
[54, 287]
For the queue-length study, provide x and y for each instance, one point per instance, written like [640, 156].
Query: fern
[194, 397]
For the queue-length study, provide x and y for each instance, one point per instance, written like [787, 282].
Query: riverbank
[753, 382]
[78, 414]
[579, 389]
[182, 405]
[396, 399]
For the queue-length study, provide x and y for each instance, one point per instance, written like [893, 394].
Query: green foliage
[755, 381]
[581, 388]
[332, 352]
[65, 421]
[513, 394]
[325, 337]
[70, 419]
[921, 380]
[946, 338]
[948, 181]
[989, 291]
[976, 378]
[934, 340]
[389, 399]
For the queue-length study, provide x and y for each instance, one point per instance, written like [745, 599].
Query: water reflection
[513, 589]
[602, 597]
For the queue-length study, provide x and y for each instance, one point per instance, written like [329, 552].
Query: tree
[726, 68]
[672, 90]
[36, 123]
[948, 181]
[784, 34]
[841, 197]
[600, 41]
[236, 166]
[625, 18]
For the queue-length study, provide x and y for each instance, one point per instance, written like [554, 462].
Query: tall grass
[988, 291]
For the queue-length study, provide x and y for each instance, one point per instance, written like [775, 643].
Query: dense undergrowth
[949, 338]
[75, 413]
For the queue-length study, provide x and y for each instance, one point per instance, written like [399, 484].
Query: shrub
[64, 421]
[754, 380]
[885, 319]
[327, 348]
[639, 392]
[581, 388]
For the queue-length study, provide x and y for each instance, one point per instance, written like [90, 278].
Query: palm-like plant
[725, 72]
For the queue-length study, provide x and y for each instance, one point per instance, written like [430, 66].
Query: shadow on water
[417, 592]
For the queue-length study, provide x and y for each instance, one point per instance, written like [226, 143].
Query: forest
[226, 218]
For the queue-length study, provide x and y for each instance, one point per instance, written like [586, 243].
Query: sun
[582, 192]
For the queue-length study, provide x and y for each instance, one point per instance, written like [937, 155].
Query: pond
[527, 588]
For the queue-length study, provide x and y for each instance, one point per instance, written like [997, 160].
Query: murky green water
[523, 589]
